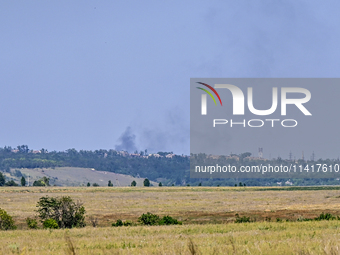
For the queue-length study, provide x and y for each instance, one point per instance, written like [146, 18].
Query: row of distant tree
[41, 182]
[172, 171]
[46, 182]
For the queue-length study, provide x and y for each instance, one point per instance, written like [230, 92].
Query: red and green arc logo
[209, 93]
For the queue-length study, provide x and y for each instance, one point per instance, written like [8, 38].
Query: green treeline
[152, 167]
[173, 170]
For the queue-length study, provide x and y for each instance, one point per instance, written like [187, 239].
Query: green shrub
[149, 219]
[153, 219]
[242, 219]
[168, 220]
[32, 223]
[119, 223]
[50, 223]
[6, 221]
[325, 216]
[63, 210]
[128, 223]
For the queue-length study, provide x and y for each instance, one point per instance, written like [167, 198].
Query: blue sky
[79, 74]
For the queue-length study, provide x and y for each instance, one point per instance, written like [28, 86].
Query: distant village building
[123, 153]
[135, 155]
[156, 155]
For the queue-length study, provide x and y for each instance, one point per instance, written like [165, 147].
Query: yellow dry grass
[192, 205]
[246, 238]
[189, 204]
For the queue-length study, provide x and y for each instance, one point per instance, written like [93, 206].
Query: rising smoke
[127, 141]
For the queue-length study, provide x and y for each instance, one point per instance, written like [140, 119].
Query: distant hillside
[164, 166]
[74, 176]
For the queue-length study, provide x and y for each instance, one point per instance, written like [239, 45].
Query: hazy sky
[94, 74]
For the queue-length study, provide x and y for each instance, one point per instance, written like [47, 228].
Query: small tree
[110, 184]
[146, 183]
[42, 182]
[23, 181]
[6, 221]
[88, 184]
[38, 184]
[95, 184]
[133, 183]
[2, 179]
[45, 181]
[160, 184]
[63, 210]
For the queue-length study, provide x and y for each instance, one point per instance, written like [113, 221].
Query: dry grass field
[207, 213]
[188, 204]
[243, 238]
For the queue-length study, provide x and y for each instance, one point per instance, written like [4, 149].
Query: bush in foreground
[31, 223]
[6, 221]
[63, 210]
[50, 223]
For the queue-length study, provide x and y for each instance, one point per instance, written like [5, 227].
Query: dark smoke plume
[127, 141]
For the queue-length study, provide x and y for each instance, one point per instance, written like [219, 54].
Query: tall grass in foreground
[310, 237]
